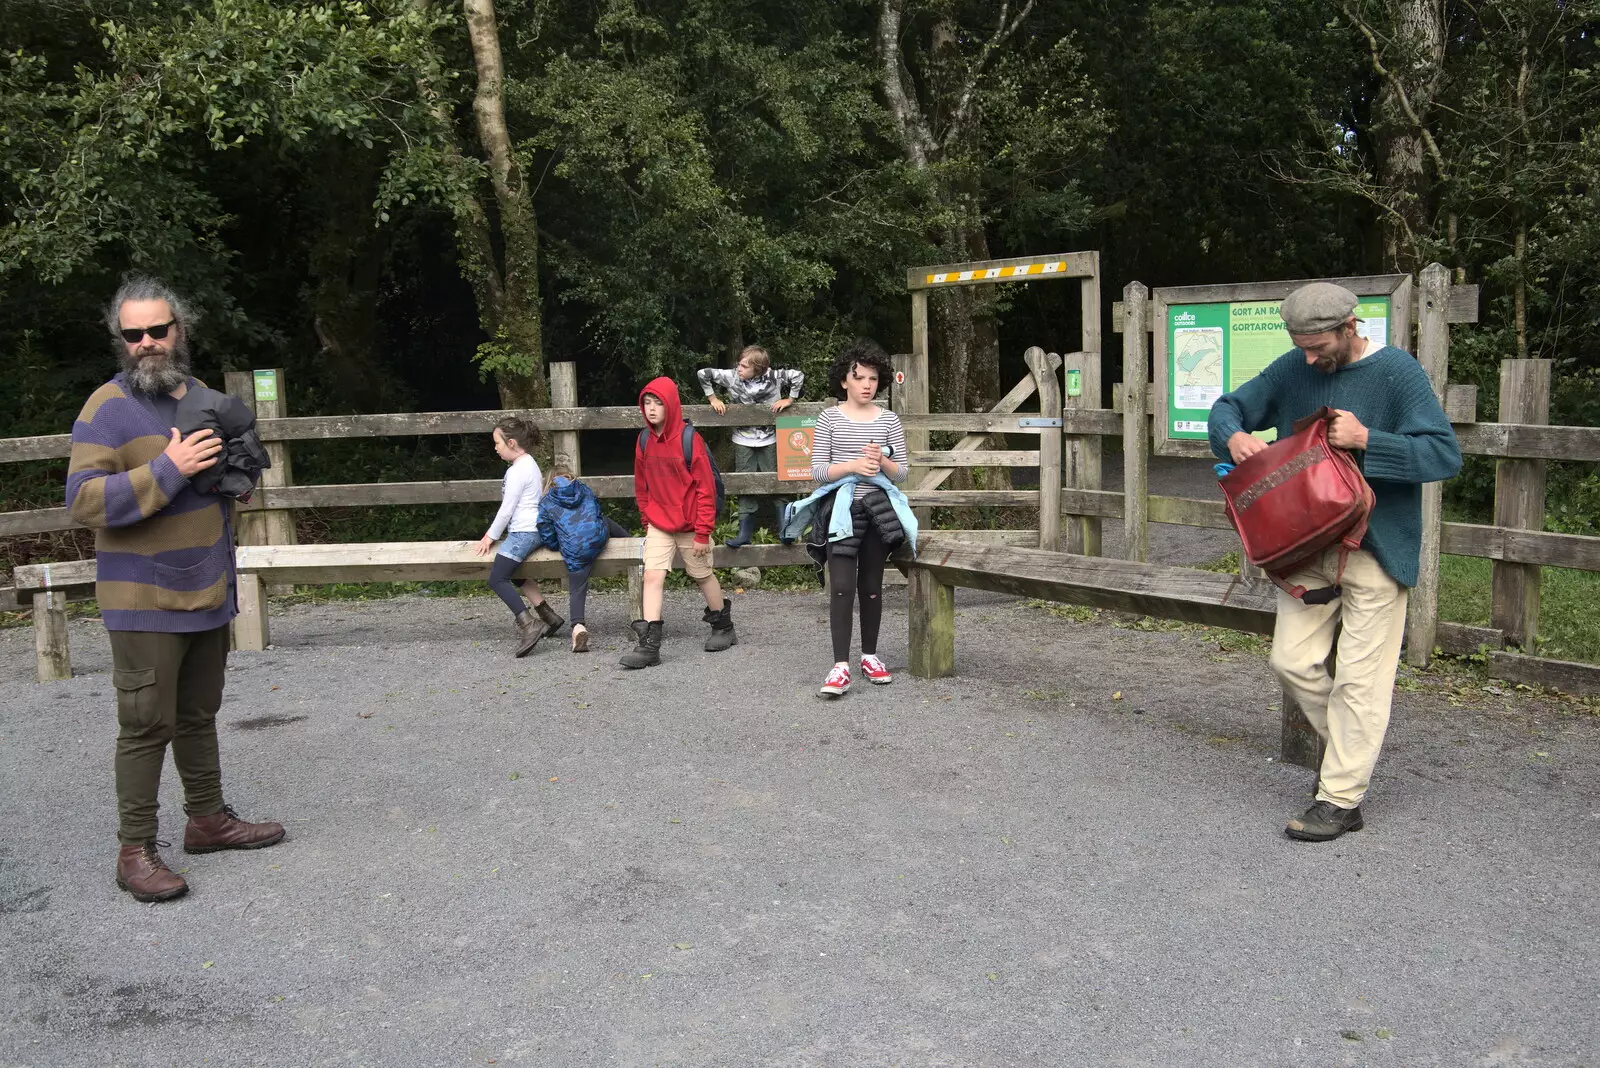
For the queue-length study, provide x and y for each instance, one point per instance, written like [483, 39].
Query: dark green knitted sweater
[1410, 440]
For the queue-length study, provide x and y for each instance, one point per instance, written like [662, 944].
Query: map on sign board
[1197, 366]
[1215, 348]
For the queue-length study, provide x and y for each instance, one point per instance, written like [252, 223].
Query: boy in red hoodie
[678, 504]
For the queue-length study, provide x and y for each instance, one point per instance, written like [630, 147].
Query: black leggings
[847, 576]
[500, 582]
[577, 581]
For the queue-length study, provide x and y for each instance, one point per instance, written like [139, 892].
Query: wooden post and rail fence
[1068, 427]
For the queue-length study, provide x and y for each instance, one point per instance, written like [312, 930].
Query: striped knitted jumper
[163, 553]
[1409, 439]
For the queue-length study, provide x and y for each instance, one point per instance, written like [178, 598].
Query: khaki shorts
[659, 547]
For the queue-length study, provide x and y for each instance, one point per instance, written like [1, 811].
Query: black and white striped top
[838, 439]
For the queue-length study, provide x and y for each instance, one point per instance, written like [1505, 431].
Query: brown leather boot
[142, 873]
[552, 619]
[225, 830]
[530, 628]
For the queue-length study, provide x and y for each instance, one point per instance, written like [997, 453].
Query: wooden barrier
[50, 586]
[425, 561]
[263, 392]
[1065, 455]
[1519, 501]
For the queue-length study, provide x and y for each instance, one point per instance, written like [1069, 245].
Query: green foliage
[708, 173]
[1569, 609]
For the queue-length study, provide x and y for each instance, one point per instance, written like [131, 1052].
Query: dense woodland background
[416, 205]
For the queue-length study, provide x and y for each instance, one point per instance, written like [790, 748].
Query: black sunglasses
[156, 332]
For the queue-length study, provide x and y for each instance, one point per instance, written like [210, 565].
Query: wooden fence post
[1433, 353]
[564, 394]
[931, 612]
[1050, 442]
[1135, 423]
[250, 632]
[1092, 392]
[1080, 454]
[263, 391]
[1519, 500]
[911, 396]
[636, 591]
[1298, 741]
[52, 658]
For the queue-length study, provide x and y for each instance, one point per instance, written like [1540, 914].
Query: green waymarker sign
[266, 385]
[1213, 349]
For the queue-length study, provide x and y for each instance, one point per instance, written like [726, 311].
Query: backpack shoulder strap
[688, 445]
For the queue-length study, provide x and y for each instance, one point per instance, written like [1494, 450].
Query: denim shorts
[518, 544]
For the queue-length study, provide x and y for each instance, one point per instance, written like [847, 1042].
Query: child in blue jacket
[571, 523]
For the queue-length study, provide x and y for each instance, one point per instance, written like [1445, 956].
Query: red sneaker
[838, 681]
[874, 670]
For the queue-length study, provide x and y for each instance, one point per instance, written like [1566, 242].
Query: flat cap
[1315, 308]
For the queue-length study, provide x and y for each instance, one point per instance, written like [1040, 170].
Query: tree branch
[1397, 85]
[1002, 31]
[896, 86]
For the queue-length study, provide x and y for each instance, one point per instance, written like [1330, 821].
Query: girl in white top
[518, 520]
[856, 437]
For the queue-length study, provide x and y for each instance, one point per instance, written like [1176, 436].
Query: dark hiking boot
[530, 628]
[747, 530]
[552, 621]
[648, 652]
[638, 626]
[1324, 821]
[722, 635]
[142, 873]
[225, 830]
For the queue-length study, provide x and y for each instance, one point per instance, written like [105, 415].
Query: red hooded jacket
[671, 497]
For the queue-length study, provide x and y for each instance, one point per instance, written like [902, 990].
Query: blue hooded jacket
[571, 523]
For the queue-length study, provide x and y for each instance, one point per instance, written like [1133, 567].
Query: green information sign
[1213, 349]
[266, 385]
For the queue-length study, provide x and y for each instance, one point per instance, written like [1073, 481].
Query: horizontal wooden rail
[31, 577]
[447, 560]
[1121, 585]
[35, 521]
[976, 458]
[1502, 440]
[1459, 539]
[1521, 546]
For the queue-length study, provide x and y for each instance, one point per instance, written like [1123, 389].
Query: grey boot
[722, 635]
[648, 652]
[530, 628]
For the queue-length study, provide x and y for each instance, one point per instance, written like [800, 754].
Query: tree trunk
[518, 323]
[1403, 104]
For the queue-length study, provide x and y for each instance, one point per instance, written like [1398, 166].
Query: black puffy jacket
[243, 457]
[874, 507]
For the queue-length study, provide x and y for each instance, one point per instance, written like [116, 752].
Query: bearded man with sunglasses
[165, 582]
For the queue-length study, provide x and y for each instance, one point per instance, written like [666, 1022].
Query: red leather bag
[1295, 499]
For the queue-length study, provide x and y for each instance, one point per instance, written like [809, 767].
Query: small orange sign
[794, 447]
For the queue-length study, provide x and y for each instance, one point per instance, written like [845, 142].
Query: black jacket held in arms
[243, 457]
[874, 507]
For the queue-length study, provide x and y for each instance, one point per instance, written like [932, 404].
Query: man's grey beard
[156, 377]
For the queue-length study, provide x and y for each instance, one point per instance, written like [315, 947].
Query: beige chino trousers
[1350, 708]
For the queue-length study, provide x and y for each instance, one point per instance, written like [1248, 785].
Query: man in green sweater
[1390, 420]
